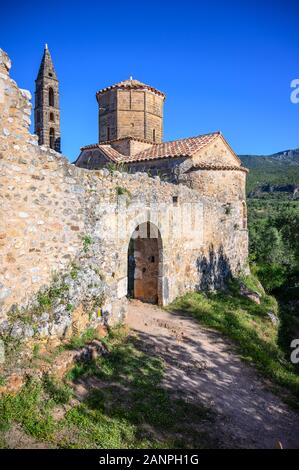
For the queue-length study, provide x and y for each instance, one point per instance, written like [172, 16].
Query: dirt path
[202, 366]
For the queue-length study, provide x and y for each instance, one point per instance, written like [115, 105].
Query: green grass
[132, 410]
[30, 410]
[79, 341]
[58, 391]
[252, 282]
[248, 325]
[127, 409]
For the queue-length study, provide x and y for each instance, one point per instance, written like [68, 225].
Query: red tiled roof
[174, 148]
[107, 150]
[104, 142]
[111, 153]
[131, 84]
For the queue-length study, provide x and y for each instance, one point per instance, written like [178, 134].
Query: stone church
[133, 217]
[131, 136]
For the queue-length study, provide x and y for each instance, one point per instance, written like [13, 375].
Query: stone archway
[145, 264]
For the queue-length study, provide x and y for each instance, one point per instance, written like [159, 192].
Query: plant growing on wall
[121, 191]
[87, 241]
[228, 209]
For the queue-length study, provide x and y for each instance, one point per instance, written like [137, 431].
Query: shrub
[120, 191]
[87, 241]
[272, 275]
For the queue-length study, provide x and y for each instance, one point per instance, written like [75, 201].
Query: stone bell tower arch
[47, 110]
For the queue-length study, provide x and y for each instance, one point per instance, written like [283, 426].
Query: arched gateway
[145, 264]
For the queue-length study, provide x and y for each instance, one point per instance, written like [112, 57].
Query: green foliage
[57, 390]
[98, 301]
[112, 167]
[29, 409]
[87, 241]
[77, 342]
[13, 351]
[46, 298]
[3, 444]
[252, 282]
[248, 324]
[36, 349]
[273, 275]
[121, 191]
[74, 271]
[274, 244]
[24, 315]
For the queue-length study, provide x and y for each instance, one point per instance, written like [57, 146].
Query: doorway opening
[145, 264]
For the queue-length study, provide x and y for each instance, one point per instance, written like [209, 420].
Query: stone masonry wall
[135, 113]
[65, 232]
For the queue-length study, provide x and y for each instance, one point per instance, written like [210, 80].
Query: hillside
[273, 176]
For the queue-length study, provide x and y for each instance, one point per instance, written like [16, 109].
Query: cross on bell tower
[46, 110]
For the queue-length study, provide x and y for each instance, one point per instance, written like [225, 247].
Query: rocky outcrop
[291, 189]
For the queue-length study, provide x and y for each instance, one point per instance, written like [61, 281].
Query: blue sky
[223, 65]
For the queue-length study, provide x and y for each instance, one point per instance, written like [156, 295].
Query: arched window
[51, 97]
[154, 135]
[244, 215]
[52, 138]
[52, 117]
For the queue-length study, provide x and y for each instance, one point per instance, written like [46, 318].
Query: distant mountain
[275, 176]
[287, 157]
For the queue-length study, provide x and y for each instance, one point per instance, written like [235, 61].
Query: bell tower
[46, 110]
[130, 109]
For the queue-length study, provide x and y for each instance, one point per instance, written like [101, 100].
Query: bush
[272, 276]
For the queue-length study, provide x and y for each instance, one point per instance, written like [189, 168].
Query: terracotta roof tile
[131, 84]
[111, 153]
[174, 148]
[104, 142]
